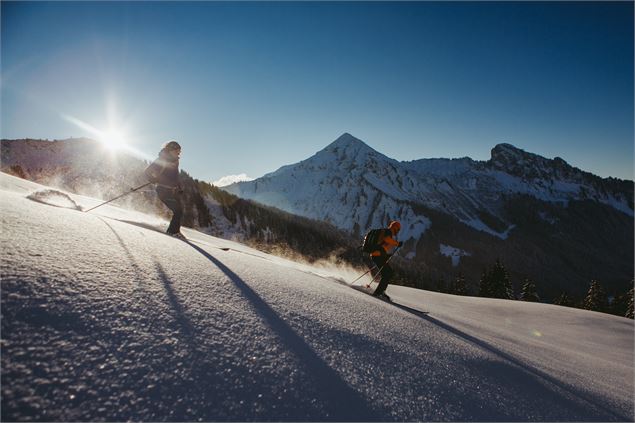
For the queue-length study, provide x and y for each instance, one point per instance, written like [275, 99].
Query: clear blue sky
[248, 87]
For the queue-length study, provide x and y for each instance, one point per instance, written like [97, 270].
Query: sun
[116, 138]
[113, 139]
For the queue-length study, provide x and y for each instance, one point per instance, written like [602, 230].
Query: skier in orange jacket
[381, 255]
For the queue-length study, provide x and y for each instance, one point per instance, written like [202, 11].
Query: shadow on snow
[340, 402]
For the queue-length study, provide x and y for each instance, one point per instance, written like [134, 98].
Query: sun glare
[113, 140]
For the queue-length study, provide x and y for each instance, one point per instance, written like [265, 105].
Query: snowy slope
[105, 318]
[85, 165]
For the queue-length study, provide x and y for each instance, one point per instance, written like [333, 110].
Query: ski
[389, 301]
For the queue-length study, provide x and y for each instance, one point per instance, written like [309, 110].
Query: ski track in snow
[107, 320]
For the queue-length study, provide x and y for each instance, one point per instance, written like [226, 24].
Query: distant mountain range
[547, 220]
[356, 188]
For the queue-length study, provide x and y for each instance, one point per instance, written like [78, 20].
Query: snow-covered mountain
[531, 211]
[357, 188]
[105, 318]
[231, 179]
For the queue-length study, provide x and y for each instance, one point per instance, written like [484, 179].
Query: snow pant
[172, 199]
[386, 272]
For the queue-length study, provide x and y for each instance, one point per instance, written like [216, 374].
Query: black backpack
[372, 240]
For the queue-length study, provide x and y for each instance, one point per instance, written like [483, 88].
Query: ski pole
[381, 268]
[125, 193]
[364, 274]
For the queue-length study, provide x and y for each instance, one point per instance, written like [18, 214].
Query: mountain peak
[347, 144]
[505, 149]
[506, 156]
[348, 147]
[346, 136]
[521, 163]
[346, 140]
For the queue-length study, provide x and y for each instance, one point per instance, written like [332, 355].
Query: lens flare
[113, 140]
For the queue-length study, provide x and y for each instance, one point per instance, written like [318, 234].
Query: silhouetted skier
[164, 172]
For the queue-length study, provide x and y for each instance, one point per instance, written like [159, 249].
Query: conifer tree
[596, 299]
[460, 286]
[495, 283]
[564, 300]
[529, 292]
[619, 305]
[502, 284]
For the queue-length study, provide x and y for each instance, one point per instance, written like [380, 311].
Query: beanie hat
[172, 145]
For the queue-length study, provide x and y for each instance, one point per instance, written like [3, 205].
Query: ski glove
[400, 244]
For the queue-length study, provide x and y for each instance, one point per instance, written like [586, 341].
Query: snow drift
[106, 318]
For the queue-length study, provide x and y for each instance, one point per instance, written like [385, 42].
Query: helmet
[394, 226]
[172, 145]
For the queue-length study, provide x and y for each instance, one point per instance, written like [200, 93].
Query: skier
[164, 172]
[380, 257]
